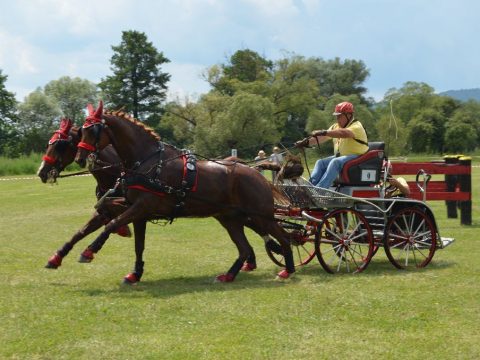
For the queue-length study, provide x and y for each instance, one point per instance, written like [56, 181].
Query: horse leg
[126, 217]
[269, 242]
[280, 234]
[251, 263]
[235, 229]
[265, 228]
[134, 277]
[92, 225]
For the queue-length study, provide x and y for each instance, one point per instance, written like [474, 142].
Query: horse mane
[125, 116]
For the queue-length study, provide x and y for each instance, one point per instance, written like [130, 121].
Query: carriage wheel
[410, 239]
[302, 241]
[344, 242]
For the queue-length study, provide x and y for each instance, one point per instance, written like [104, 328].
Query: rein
[84, 172]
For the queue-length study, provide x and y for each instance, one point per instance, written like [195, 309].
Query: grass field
[81, 311]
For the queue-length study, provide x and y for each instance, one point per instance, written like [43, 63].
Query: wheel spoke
[410, 239]
[357, 236]
[420, 226]
[301, 238]
[420, 252]
[399, 244]
[398, 236]
[333, 234]
[342, 257]
[344, 242]
[353, 257]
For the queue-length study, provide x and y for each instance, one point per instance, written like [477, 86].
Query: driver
[349, 141]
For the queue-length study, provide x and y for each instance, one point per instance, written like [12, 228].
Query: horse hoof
[124, 231]
[247, 267]
[283, 275]
[131, 279]
[223, 278]
[54, 262]
[86, 256]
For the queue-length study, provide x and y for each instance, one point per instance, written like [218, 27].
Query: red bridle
[49, 160]
[86, 146]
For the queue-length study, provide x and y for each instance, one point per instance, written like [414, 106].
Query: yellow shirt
[348, 146]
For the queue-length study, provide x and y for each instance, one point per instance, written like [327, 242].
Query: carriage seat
[365, 169]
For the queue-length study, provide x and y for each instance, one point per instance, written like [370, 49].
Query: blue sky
[432, 41]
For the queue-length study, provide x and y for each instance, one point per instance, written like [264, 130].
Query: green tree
[38, 117]
[393, 132]
[459, 137]
[462, 130]
[468, 113]
[285, 83]
[244, 66]
[247, 66]
[407, 101]
[72, 96]
[138, 85]
[294, 95]
[336, 76]
[421, 115]
[8, 106]
[243, 121]
[179, 123]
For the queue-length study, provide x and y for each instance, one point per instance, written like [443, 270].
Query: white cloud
[312, 6]
[78, 17]
[16, 55]
[186, 80]
[42, 40]
[275, 8]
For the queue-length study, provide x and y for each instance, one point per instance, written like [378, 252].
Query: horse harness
[153, 185]
[130, 179]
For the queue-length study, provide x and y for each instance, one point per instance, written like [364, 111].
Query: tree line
[253, 103]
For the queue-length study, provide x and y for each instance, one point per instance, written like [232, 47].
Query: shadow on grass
[312, 273]
[179, 285]
[382, 267]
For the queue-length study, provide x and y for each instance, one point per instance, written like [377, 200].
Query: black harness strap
[154, 185]
[188, 183]
[357, 140]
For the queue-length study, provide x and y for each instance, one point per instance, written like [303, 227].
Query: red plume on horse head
[62, 133]
[94, 116]
[65, 125]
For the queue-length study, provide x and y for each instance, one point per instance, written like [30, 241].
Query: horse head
[60, 153]
[94, 139]
[132, 140]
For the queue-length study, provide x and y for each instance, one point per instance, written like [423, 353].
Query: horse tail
[279, 197]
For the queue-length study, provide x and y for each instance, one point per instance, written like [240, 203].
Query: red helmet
[343, 108]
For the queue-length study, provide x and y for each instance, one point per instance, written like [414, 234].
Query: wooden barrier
[456, 189]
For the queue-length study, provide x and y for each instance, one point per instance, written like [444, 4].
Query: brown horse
[163, 182]
[61, 151]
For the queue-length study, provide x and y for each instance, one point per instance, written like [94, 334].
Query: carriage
[344, 230]
[343, 227]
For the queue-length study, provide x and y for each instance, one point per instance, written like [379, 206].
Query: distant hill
[464, 94]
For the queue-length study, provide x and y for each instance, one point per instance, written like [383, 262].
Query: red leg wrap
[124, 231]
[55, 261]
[225, 278]
[248, 267]
[88, 254]
[283, 275]
[131, 279]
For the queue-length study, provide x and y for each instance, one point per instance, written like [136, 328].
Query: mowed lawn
[82, 311]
